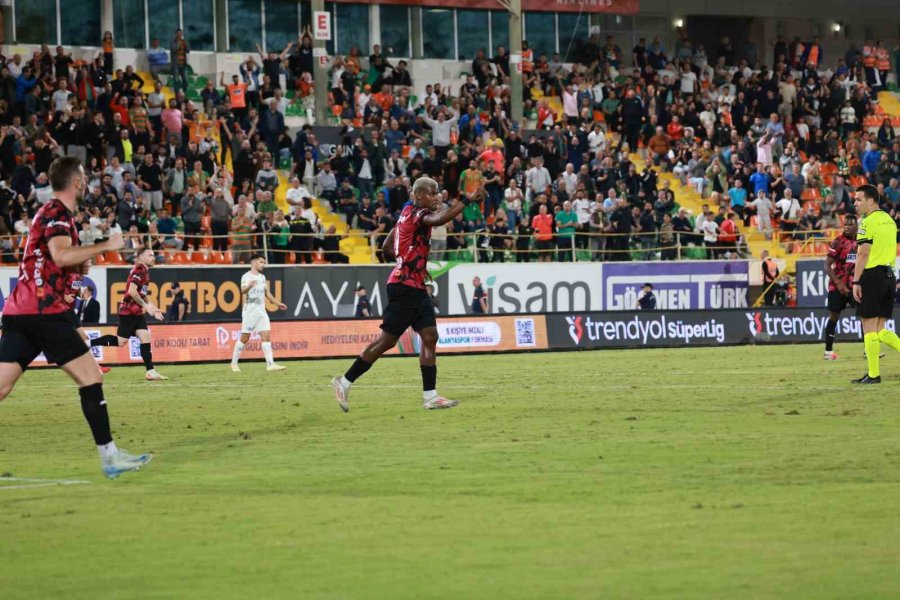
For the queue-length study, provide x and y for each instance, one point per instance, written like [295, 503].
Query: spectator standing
[566, 223]
[479, 298]
[770, 274]
[542, 226]
[220, 211]
[241, 238]
[180, 51]
[191, 207]
[158, 58]
[646, 299]
[108, 47]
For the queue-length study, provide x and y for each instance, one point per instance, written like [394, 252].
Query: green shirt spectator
[566, 220]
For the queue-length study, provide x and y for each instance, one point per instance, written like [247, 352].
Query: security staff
[873, 278]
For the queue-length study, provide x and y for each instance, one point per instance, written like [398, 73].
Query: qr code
[96, 351]
[134, 348]
[525, 332]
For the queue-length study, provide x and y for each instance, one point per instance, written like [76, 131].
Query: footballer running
[132, 309]
[409, 304]
[36, 319]
[254, 318]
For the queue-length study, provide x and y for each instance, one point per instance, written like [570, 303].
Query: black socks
[830, 326]
[94, 408]
[105, 340]
[357, 369]
[147, 355]
[429, 377]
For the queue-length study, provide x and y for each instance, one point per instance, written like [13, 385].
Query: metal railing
[477, 245]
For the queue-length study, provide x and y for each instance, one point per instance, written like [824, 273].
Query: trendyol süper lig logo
[575, 330]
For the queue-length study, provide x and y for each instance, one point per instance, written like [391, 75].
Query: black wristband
[464, 199]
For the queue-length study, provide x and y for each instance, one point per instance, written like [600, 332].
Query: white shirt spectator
[571, 181]
[582, 208]
[596, 141]
[710, 231]
[688, 82]
[537, 179]
[61, 100]
[22, 226]
[295, 195]
[789, 207]
[764, 151]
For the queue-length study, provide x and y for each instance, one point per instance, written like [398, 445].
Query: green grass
[753, 472]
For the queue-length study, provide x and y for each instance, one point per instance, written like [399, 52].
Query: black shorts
[26, 336]
[544, 245]
[878, 286]
[838, 302]
[129, 324]
[407, 307]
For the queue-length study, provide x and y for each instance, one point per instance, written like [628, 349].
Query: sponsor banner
[654, 329]
[812, 282]
[325, 292]
[527, 288]
[207, 342]
[684, 285]
[330, 292]
[629, 329]
[95, 279]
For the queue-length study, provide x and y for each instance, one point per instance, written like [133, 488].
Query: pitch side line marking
[28, 483]
[448, 384]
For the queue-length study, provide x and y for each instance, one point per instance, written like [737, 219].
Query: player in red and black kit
[839, 266]
[409, 304]
[35, 318]
[131, 313]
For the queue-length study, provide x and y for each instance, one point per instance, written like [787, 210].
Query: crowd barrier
[329, 292]
[213, 342]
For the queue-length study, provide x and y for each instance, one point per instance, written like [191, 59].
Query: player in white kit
[254, 318]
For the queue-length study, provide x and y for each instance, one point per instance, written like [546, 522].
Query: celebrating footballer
[409, 304]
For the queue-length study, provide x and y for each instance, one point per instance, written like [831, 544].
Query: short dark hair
[61, 172]
[849, 217]
[256, 255]
[649, 285]
[870, 192]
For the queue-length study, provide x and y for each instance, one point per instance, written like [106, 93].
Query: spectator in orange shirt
[384, 98]
[542, 225]
[659, 147]
[494, 154]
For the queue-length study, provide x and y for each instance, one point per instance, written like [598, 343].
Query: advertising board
[669, 329]
[210, 342]
[683, 285]
[527, 288]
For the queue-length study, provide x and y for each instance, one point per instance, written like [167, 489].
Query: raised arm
[445, 215]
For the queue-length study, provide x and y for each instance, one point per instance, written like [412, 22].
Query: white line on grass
[451, 385]
[28, 483]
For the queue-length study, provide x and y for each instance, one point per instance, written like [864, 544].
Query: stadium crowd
[774, 140]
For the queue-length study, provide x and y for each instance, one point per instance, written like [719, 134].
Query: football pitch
[747, 472]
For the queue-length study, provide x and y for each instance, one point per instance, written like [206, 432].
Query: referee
[873, 279]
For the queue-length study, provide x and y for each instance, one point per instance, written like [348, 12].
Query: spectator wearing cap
[646, 299]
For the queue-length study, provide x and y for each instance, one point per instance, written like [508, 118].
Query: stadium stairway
[355, 246]
[687, 197]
